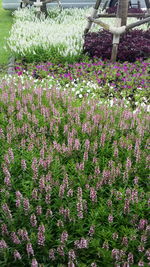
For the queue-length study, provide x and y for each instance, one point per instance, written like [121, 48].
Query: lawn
[5, 25]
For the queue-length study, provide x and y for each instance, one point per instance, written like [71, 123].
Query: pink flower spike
[3, 244]
[64, 237]
[34, 263]
[141, 263]
[29, 249]
[17, 255]
[110, 218]
[52, 254]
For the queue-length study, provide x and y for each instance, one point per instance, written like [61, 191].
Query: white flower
[144, 99]
[111, 102]
[29, 33]
[64, 31]
[77, 92]
[148, 108]
[80, 96]
[143, 105]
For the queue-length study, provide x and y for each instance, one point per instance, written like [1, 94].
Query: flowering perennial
[102, 80]
[60, 32]
[76, 192]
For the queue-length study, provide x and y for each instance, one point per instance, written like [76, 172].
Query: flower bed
[74, 188]
[73, 152]
[99, 79]
[132, 10]
[58, 38]
[60, 34]
[133, 44]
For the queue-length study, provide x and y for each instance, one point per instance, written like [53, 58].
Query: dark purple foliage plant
[112, 10]
[134, 44]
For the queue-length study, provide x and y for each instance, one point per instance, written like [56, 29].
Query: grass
[6, 20]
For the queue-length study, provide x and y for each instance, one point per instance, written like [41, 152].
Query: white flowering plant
[58, 37]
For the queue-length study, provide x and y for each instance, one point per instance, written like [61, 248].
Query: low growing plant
[132, 10]
[74, 187]
[98, 79]
[133, 45]
[57, 38]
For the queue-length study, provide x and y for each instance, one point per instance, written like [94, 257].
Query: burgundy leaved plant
[133, 45]
[133, 10]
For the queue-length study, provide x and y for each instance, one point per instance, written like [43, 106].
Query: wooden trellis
[121, 21]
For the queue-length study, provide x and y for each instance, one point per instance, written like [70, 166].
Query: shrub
[133, 44]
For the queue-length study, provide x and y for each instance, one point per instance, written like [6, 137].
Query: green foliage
[96, 79]
[53, 54]
[5, 25]
[43, 127]
[76, 159]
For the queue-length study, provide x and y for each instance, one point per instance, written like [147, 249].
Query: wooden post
[139, 4]
[122, 14]
[93, 15]
[116, 39]
[121, 21]
[114, 52]
[147, 3]
[38, 5]
[44, 9]
[105, 5]
[122, 11]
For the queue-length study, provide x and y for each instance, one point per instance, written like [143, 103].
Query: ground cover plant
[99, 79]
[59, 38]
[5, 26]
[132, 10]
[74, 179]
[133, 44]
